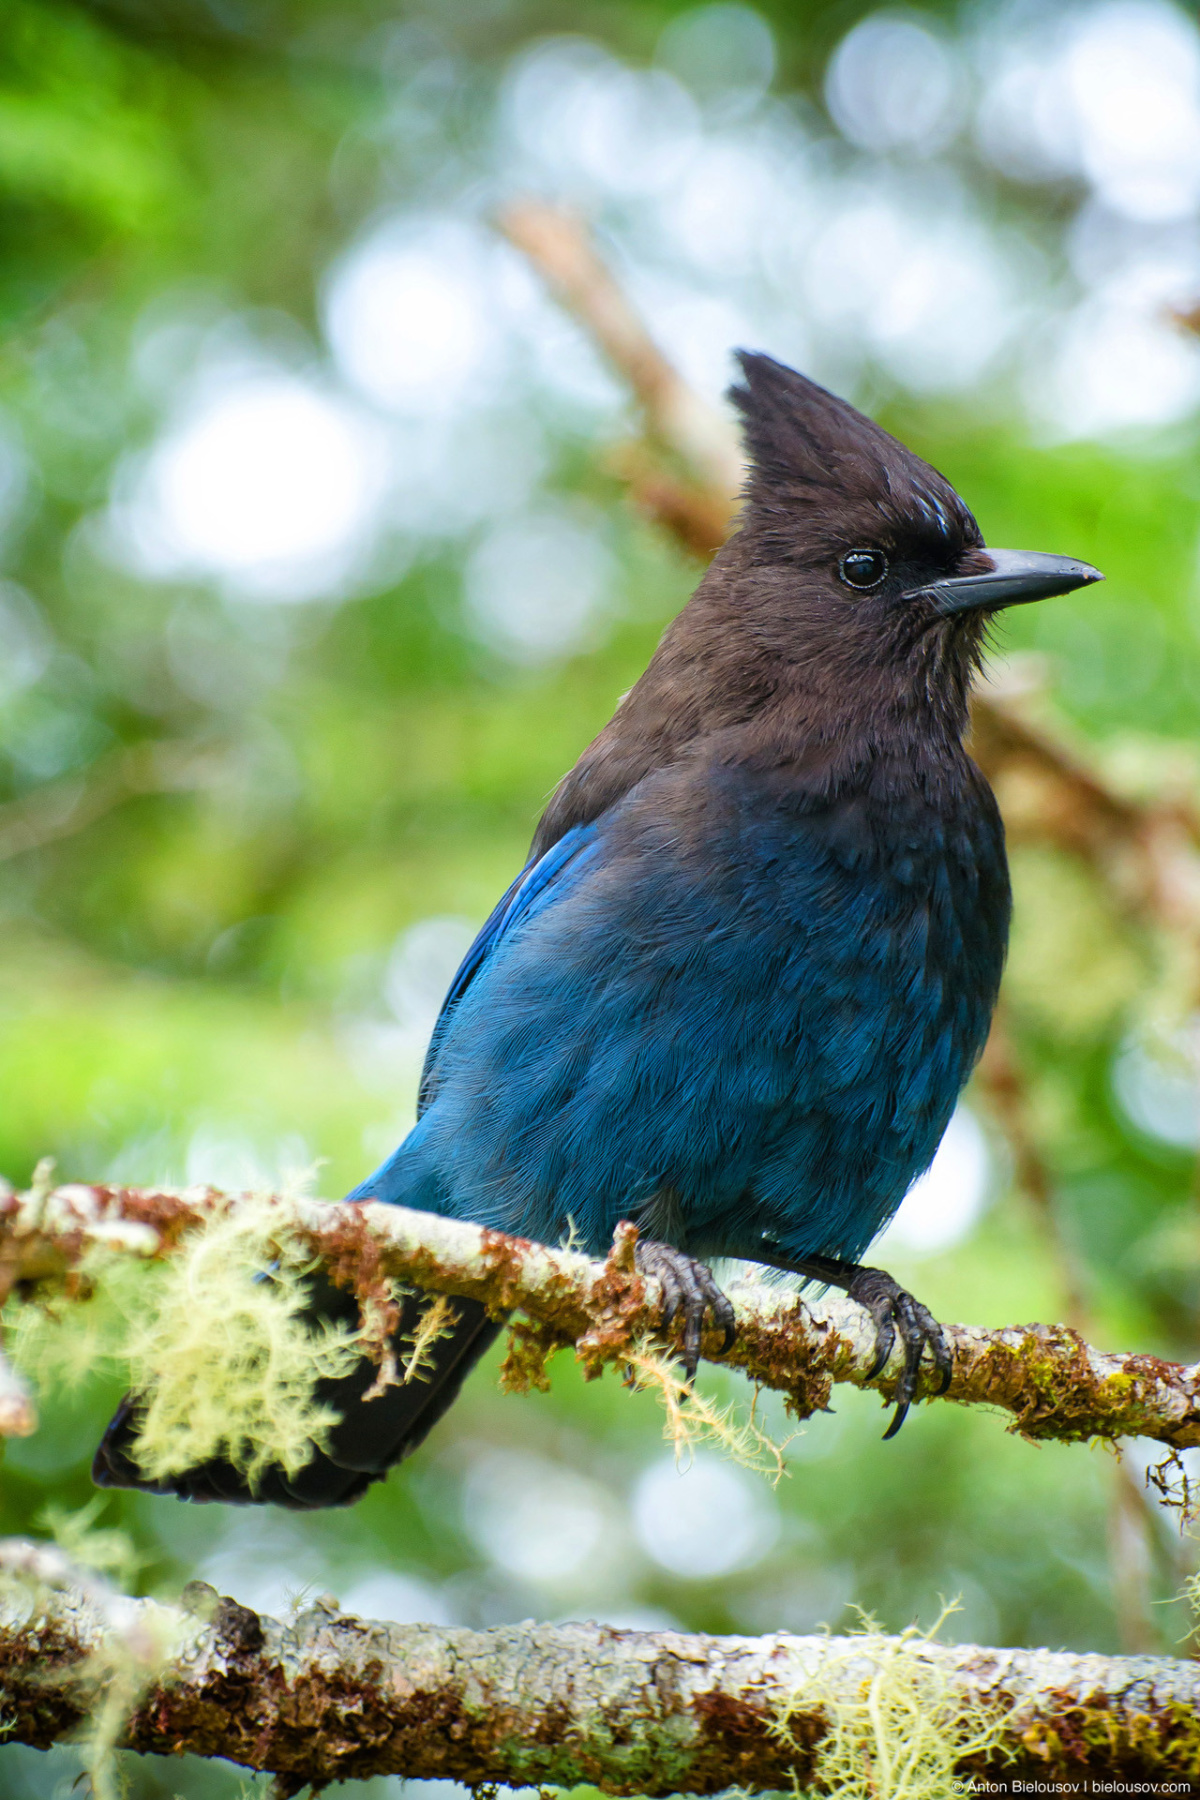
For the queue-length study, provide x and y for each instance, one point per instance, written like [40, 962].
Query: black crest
[812, 454]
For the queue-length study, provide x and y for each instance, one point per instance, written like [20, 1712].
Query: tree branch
[1052, 1383]
[696, 497]
[324, 1696]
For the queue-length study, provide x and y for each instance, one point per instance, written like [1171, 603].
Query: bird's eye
[863, 568]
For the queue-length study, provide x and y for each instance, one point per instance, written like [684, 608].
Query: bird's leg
[688, 1288]
[893, 1310]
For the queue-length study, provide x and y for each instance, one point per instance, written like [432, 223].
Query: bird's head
[870, 557]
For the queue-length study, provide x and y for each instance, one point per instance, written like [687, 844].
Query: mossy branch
[324, 1697]
[1046, 1377]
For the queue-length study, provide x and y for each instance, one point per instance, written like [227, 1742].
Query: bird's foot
[688, 1288]
[894, 1310]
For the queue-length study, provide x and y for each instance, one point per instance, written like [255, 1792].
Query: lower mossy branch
[325, 1697]
[1045, 1377]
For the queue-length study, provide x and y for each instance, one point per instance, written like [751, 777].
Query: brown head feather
[816, 462]
[775, 660]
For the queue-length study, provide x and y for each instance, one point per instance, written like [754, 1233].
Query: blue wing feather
[531, 890]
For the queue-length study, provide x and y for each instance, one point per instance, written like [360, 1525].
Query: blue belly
[737, 1016]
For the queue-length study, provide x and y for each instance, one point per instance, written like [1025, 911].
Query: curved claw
[894, 1309]
[688, 1288]
[898, 1418]
[673, 1300]
[885, 1338]
[943, 1362]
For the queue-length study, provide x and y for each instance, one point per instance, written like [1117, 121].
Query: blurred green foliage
[192, 972]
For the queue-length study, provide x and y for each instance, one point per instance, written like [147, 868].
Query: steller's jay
[753, 955]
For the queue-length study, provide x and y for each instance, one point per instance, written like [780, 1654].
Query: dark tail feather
[370, 1437]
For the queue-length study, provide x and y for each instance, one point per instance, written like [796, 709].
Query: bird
[751, 961]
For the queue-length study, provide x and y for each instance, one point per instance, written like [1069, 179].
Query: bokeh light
[541, 1521]
[538, 586]
[410, 316]
[25, 643]
[1156, 1077]
[725, 56]
[893, 84]
[268, 482]
[704, 1519]
[944, 1205]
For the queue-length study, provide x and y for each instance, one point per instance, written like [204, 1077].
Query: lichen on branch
[226, 1360]
[1050, 1382]
[324, 1697]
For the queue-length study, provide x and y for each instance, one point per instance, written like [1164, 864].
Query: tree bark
[324, 1696]
[1046, 1377]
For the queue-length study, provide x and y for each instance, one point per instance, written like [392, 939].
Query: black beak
[1016, 576]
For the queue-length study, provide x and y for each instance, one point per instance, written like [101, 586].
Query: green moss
[1094, 1737]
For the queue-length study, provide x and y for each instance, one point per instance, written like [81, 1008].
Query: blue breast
[724, 1010]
